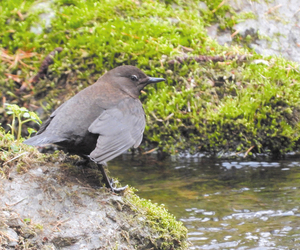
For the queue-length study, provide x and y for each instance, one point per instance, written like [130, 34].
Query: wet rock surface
[275, 30]
[50, 207]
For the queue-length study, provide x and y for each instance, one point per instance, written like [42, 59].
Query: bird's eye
[134, 78]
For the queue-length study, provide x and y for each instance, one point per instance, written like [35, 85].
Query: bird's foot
[110, 183]
[112, 186]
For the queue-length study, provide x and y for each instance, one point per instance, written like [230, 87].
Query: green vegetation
[237, 106]
[234, 105]
[171, 232]
[18, 115]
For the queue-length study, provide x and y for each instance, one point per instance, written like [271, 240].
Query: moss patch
[240, 106]
[171, 232]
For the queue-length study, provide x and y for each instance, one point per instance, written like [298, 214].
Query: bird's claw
[113, 187]
[110, 183]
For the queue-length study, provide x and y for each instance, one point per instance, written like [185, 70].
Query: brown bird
[101, 121]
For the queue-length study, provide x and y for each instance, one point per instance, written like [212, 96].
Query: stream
[224, 204]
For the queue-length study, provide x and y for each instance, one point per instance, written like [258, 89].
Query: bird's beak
[154, 80]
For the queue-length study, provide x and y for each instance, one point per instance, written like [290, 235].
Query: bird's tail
[40, 140]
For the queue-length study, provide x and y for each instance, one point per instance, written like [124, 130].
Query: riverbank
[55, 202]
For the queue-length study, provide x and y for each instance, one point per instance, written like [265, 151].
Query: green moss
[171, 233]
[212, 106]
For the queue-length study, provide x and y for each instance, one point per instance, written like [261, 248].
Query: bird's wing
[119, 129]
[46, 123]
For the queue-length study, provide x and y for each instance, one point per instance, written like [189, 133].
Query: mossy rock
[230, 105]
[60, 203]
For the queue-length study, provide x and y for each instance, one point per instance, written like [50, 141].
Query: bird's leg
[109, 183]
[84, 160]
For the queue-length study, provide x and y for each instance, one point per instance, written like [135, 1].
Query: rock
[48, 247]
[61, 207]
[274, 30]
[10, 235]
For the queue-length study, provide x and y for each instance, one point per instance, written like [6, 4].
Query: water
[224, 204]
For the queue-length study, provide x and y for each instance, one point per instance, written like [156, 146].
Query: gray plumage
[101, 121]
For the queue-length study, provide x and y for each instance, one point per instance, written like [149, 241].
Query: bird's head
[130, 79]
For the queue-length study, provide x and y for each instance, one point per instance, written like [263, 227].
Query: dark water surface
[224, 204]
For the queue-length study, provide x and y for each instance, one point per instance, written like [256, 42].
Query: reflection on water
[224, 204]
